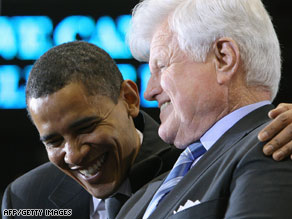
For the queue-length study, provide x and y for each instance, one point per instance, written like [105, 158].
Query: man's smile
[164, 105]
[92, 172]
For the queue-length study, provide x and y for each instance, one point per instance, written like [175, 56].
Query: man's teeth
[164, 105]
[94, 168]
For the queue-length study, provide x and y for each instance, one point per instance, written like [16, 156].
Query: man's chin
[183, 140]
[180, 145]
[166, 135]
[101, 190]
[101, 193]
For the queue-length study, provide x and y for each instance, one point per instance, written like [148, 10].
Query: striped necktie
[180, 168]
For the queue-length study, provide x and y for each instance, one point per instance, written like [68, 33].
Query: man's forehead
[162, 33]
[164, 44]
[35, 103]
[160, 42]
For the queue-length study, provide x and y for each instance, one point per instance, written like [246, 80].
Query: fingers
[276, 126]
[281, 145]
[281, 108]
[283, 152]
[278, 133]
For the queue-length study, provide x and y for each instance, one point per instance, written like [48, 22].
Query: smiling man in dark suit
[102, 148]
[215, 68]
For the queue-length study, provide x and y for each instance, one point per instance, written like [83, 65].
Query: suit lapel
[144, 200]
[148, 163]
[70, 195]
[231, 137]
[114, 203]
[144, 172]
[152, 143]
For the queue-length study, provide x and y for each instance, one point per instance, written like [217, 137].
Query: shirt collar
[140, 136]
[222, 126]
[98, 204]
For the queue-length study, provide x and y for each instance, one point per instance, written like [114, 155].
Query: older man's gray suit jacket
[46, 187]
[234, 179]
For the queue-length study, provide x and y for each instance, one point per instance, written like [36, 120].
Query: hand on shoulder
[278, 134]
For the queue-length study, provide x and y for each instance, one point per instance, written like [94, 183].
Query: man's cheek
[55, 157]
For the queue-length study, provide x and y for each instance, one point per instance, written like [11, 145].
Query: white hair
[197, 24]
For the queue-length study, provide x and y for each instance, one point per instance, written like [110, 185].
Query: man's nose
[153, 88]
[75, 152]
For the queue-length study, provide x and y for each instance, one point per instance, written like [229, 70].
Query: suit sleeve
[261, 188]
[6, 202]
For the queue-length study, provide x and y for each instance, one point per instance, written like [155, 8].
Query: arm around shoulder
[278, 134]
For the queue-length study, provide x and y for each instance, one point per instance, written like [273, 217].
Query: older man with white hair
[215, 68]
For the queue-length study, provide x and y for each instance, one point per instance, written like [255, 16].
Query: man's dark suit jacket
[46, 187]
[234, 179]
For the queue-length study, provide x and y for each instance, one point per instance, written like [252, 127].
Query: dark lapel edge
[142, 202]
[69, 194]
[233, 135]
[152, 143]
[148, 160]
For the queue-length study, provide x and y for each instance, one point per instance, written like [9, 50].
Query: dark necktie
[114, 204]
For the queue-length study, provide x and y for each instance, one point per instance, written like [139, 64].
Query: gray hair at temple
[197, 24]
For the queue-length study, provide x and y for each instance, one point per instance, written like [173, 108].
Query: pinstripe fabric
[180, 168]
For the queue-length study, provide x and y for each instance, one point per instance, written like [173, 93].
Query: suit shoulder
[44, 175]
[32, 189]
[251, 158]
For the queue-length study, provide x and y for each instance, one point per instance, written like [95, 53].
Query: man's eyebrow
[73, 125]
[47, 137]
[82, 121]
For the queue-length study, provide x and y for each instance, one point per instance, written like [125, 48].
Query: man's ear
[227, 58]
[129, 93]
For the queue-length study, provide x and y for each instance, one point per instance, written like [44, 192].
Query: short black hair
[79, 62]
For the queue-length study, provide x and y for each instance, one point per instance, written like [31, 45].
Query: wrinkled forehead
[162, 34]
[164, 44]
